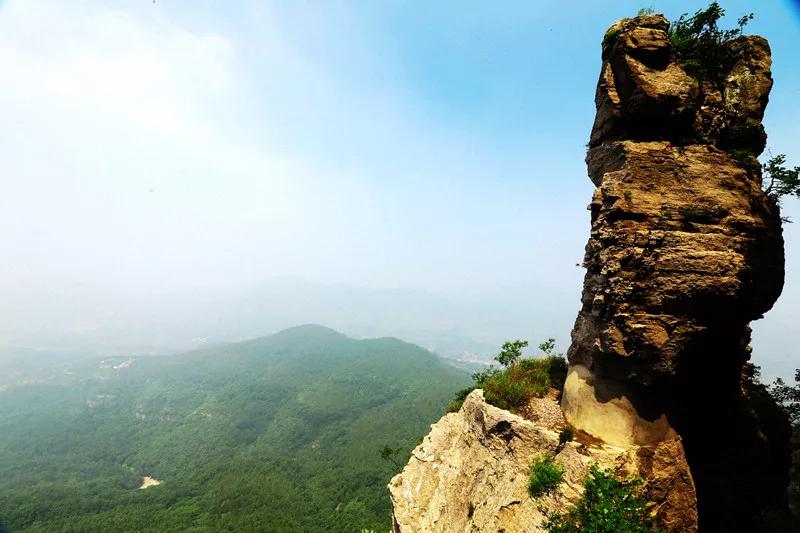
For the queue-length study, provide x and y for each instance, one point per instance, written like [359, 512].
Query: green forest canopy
[279, 434]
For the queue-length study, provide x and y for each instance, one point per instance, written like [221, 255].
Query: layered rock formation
[685, 251]
[471, 471]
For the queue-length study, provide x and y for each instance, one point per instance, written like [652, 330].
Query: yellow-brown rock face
[685, 251]
[470, 473]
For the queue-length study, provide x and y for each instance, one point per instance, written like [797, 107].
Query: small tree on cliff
[701, 45]
[548, 347]
[511, 353]
[389, 454]
[779, 181]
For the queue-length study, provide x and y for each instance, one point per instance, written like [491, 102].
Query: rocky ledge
[471, 472]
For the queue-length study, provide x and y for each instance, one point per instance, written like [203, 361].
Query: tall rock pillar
[685, 250]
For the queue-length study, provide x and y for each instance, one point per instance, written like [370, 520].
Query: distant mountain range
[80, 319]
[462, 326]
[280, 433]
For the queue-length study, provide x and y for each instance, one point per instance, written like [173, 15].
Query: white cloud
[121, 163]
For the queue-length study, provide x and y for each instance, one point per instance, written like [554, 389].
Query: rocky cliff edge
[471, 472]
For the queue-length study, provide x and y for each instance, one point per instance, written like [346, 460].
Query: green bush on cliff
[779, 181]
[776, 408]
[514, 387]
[558, 364]
[610, 36]
[608, 505]
[545, 476]
[702, 47]
[521, 380]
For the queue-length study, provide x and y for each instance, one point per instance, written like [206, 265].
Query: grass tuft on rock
[515, 386]
[521, 380]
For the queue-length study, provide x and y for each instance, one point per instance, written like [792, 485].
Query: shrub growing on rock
[514, 387]
[545, 476]
[558, 364]
[564, 437]
[779, 180]
[702, 47]
[608, 505]
[521, 380]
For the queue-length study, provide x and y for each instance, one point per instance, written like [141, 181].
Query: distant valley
[280, 433]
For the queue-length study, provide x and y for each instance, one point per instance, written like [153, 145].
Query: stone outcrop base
[471, 473]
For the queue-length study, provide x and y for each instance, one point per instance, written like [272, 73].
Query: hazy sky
[436, 145]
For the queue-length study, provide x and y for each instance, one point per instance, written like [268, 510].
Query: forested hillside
[276, 434]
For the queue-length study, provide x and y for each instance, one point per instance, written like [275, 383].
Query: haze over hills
[280, 433]
[463, 326]
[79, 319]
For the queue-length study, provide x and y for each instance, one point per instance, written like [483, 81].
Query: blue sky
[431, 145]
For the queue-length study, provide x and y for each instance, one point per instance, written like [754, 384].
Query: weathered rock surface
[685, 251]
[471, 472]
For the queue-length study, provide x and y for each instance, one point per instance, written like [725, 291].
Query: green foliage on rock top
[521, 380]
[702, 47]
[275, 434]
[515, 386]
[608, 505]
[610, 36]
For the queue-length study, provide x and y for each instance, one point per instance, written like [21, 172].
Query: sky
[150, 147]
